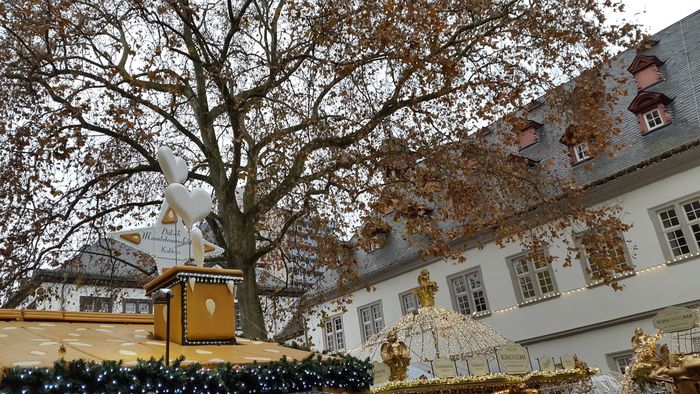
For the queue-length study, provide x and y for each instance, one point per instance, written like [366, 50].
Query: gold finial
[426, 289]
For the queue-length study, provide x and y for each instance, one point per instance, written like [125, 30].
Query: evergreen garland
[151, 376]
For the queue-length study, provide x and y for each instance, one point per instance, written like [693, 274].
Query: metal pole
[530, 358]
[495, 351]
[167, 332]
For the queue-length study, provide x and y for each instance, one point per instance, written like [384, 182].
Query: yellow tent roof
[38, 338]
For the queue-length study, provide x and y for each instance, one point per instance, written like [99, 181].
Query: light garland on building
[588, 286]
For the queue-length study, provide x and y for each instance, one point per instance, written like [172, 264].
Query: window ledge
[656, 128]
[480, 315]
[616, 277]
[589, 158]
[540, 299]
[683, 258]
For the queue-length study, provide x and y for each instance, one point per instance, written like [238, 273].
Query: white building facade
[556, 310]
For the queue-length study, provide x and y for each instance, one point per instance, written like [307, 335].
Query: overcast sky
[655, 15]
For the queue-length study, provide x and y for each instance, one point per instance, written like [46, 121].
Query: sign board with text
[568, 362]
[478, 366]
[167, 240]
[513, 359]
[444, 368]
[381, 372]
[546, 363]
[676, 318]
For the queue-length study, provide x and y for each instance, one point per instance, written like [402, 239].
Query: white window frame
[139, 302]
[409, 302]
[679, 237]
[693, 223]
[464, 293]
[371, 319]
[654, 118]
[581, 152]
[334, 334]
[588, 270]
[619, 361]
[93, 300]
[533, 275]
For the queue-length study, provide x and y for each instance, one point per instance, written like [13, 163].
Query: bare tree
[285, 109]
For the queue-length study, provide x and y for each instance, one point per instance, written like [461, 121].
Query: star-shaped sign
[167, 240]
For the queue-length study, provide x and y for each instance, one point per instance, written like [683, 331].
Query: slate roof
[679, 47]
[114, 264]
[108, 261]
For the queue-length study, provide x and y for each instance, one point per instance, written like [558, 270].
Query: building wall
[66, 297]
[592, 322]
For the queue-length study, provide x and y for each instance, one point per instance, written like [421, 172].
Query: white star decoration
[167, 240]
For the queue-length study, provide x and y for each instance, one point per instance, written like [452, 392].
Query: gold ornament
[433, 332]
[395, 355]
[683, 371]
[134, 238]
[489, 383]
[426, 290]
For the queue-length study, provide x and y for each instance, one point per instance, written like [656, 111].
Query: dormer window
[650, 108]
[522, 160]
[653, 119]
[374, 235]
[577, 142]
[528, 134]
[581, 152]
[645, 70]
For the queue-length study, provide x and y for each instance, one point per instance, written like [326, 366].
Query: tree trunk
[239, 236]
[252, 318]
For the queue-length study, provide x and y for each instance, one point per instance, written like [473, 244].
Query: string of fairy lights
[493, 381]
[460, 336]
[435, 332]
[653, 268]
[283, 376]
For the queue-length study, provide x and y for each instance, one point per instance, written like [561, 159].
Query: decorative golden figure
[681, 370]
[644, 346]
[426, 289]
[580, 364]
[395, 355]
[638, 338]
